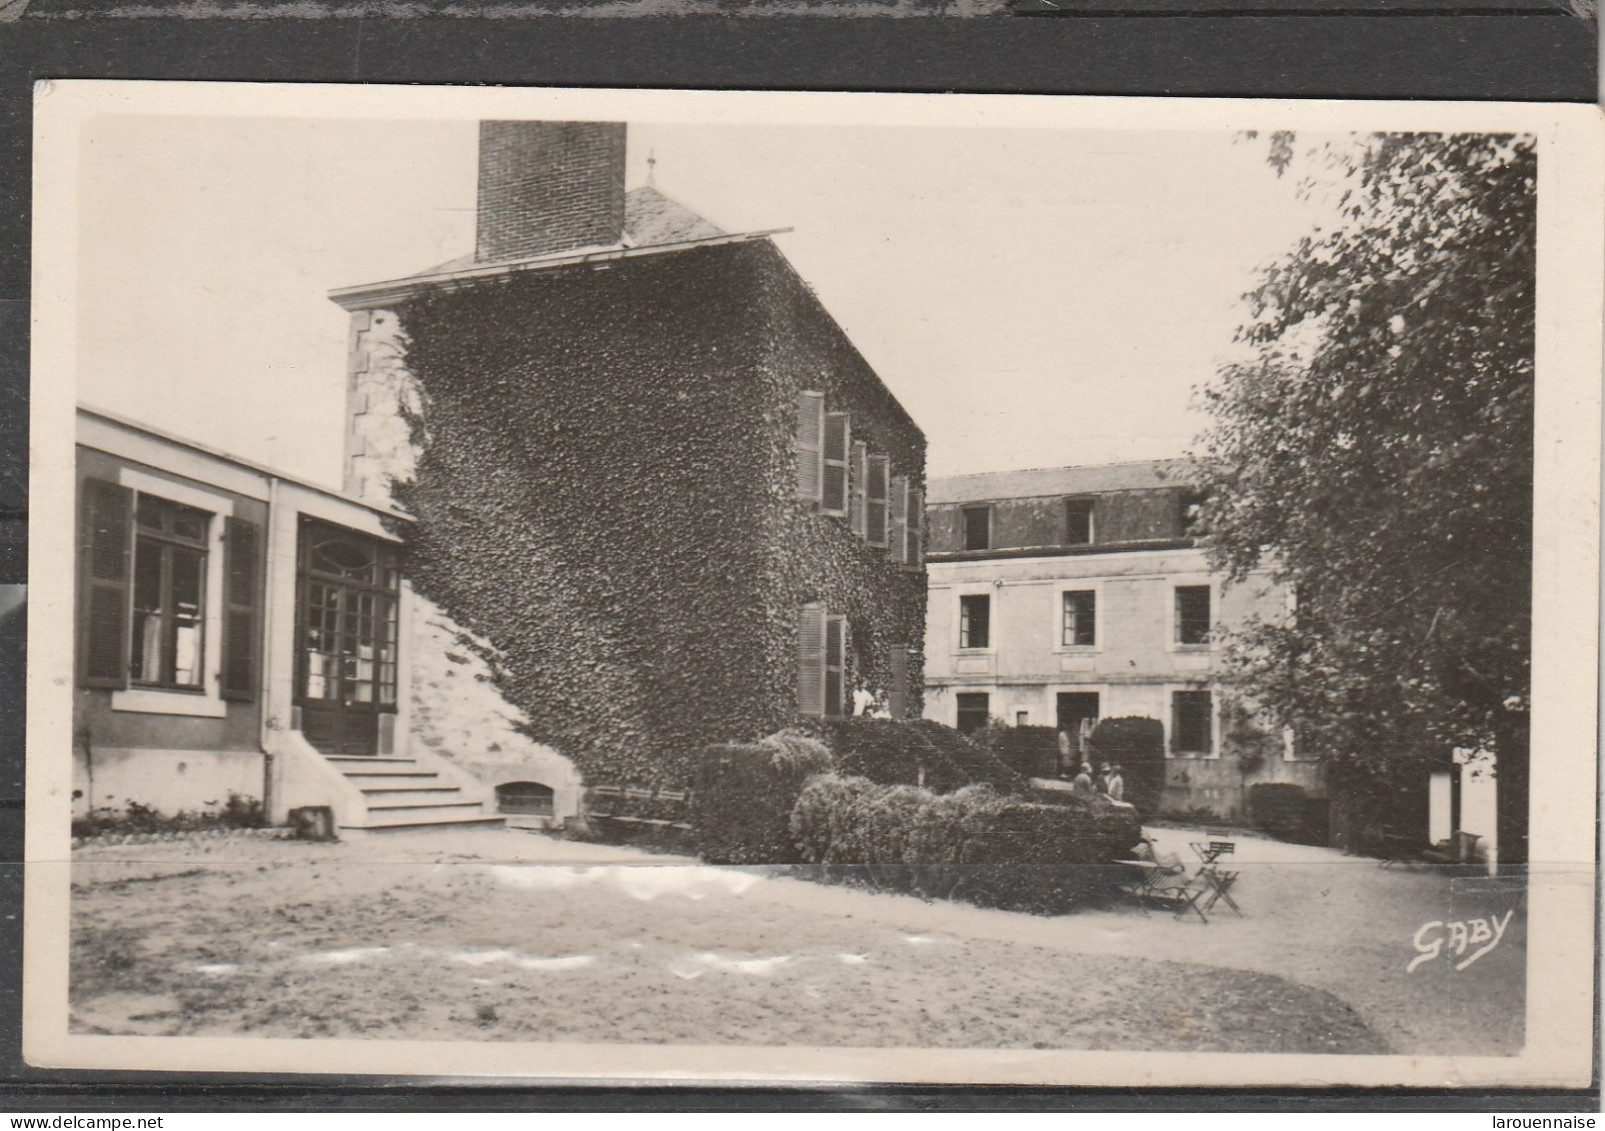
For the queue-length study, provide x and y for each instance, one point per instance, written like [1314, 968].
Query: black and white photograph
[616, 585]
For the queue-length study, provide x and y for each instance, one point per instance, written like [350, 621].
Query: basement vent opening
[526, 798]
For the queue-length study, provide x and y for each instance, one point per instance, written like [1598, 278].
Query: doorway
[347, 588]
[1077, 715]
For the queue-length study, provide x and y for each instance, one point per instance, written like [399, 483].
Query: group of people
[1108, 782]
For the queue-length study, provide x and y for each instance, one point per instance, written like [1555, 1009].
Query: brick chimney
[548, 187]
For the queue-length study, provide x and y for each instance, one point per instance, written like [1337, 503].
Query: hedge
[1278, 808]
[920, 752]
[975, 843]
[743, 796]
[1032, 751]
[1137, 745]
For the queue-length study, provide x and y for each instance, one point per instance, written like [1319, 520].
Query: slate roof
[1087, 479]
[650, 219]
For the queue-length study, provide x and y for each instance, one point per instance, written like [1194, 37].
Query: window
[1192, 722]
[809, 445]
[1192, 614]
[977, 528]
[876, 502]
[822, 663]
[169, 608]
[1022, 718]
[975, 621]
[838, 443]
[1080, 623]
[169, 596]
[1078, 528]
[525, 798]
[974, 710]
[1189, 509]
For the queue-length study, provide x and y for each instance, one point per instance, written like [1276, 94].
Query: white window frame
[208, 702]
[988, 590]
[1172, 644]
[1060, 588]
[1171, 754]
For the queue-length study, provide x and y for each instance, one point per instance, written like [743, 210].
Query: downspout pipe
[265, 713]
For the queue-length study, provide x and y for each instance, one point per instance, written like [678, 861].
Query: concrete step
[412, 809]
[408, 824]
[343, 760]
[392, 775]
[382, 793]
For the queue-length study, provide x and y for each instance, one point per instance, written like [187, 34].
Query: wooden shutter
[107, 553]
[898, 539]
[809, 445]
[836, 693]
[875, 503]
[914, 554]
[859, 473]
[897, 694]
[242, 603]
[838, 443]
[811, 660]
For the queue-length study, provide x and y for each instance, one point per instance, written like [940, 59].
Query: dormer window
[978, 528]
[1078, 526]
[1189, 509]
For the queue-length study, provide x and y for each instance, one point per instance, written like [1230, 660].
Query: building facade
[1064, 596]
[247, 638]
[650, 476]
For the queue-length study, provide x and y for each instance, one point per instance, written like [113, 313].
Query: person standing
[1115, 785]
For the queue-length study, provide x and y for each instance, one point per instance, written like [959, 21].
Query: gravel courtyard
[515, 936]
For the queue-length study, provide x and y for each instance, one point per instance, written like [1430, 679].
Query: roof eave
[368, 296]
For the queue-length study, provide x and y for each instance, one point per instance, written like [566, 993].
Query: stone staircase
[403, 793]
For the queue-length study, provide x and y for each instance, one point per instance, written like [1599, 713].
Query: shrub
[743, 797]
[1030, 751]
[919, 752]
[975, 843]
[1278, 808]
[1137, 745]
[236, 813]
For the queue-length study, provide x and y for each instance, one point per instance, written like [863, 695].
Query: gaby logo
[1453, 939]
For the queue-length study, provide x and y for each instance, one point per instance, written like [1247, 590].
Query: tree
[1372, 446]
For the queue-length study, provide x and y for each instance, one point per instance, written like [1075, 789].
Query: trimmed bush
[1137, 745]
[975, 843]
[743, 797]
[919, 752]
[1278, 808]
[1029, 751]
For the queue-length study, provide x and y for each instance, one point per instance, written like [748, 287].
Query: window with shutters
[877, 520]
[837, 446]
[170, 593]
[822, 669]
[809, 445]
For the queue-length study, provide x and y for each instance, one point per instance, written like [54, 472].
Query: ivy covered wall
[601, 470]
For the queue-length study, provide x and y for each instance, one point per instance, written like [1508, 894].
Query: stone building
[653, 486]
[1063, 596]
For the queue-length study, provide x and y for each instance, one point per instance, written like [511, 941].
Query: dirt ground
[510, 936]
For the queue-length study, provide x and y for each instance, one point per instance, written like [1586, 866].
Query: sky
[1034, 298]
